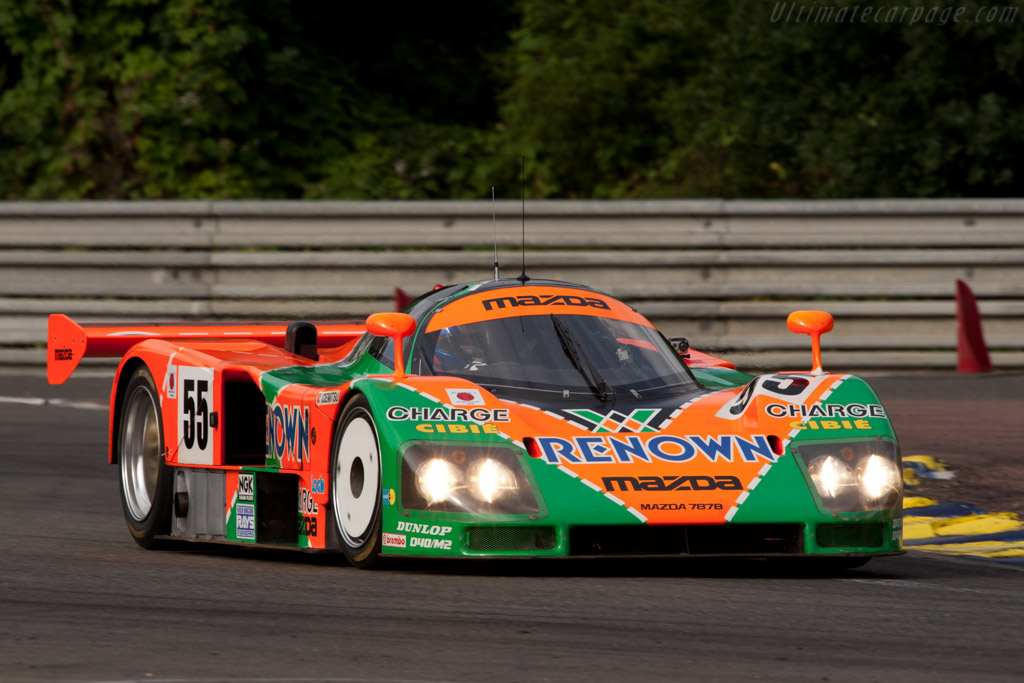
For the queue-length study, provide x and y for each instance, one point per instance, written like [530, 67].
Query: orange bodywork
[815, 324]
[532, 300]
[709, 419]
[262, 410]
[243, 349]
[703, 419]
[398, 326]
[68, 342]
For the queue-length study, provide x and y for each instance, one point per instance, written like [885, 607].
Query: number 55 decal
[195, 403]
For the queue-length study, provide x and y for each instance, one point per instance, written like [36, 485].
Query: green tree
[588, 81]
[136, 98]
[182, 98]
[632, 98]
[423, 97]
[857, 109]
[691, 98]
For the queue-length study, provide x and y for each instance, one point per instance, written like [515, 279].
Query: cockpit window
[569, 356]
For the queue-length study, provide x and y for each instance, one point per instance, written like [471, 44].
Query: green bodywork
[785, 495]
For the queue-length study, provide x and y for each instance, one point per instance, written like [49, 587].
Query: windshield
[569, 356]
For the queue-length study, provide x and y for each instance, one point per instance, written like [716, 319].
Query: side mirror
[815, 324]
[397, 326]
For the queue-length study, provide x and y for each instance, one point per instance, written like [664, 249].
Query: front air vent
[850, 535]
[675, 540]
[511, 538]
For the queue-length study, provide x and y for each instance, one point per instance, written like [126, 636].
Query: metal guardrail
[723, 273]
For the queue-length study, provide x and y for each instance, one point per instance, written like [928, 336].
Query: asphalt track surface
[80, 601]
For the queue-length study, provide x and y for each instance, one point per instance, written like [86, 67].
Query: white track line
[59, 402]
[276, 680]
[898, 583]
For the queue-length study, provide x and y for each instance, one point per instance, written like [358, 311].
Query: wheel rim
[355, 482]
[140, 453]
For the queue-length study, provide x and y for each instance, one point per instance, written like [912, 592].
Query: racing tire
[145, 479]
[356, 485]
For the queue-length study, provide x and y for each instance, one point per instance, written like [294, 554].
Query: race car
[499, 419]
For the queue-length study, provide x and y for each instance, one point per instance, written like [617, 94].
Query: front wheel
[356, 485]
[145, 478]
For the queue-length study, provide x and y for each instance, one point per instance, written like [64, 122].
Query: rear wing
[67, 342]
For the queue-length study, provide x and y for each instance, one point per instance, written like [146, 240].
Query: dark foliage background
[606, 98]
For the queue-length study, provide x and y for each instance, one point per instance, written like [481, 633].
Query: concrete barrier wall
[723, 273]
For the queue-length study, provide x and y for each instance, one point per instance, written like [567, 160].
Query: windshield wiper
[654, 391]
[572, 349]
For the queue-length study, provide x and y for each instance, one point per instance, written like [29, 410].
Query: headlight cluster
[478, 479]
[854, 476]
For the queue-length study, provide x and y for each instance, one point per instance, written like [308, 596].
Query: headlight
[830, 475]
[878, 477]
[854, 476]
[483, 479]
[437, 480]
[489, 480]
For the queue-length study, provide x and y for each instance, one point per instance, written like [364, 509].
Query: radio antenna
[494, 215]
[523, 277]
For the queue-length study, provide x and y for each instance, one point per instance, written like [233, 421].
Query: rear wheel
[356, 485]
[145, 478]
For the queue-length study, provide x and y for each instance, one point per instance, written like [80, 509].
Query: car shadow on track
[668, 567]
[661, 567]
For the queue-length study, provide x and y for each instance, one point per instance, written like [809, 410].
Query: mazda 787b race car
[500, 419]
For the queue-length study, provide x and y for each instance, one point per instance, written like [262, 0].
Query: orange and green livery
[495, 419]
